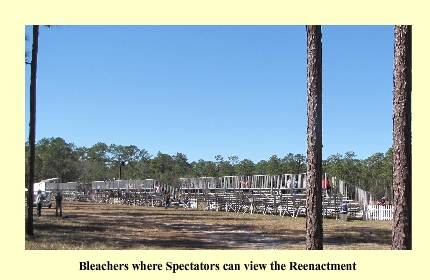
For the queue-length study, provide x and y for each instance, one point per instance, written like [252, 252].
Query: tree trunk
[402, 138]
[32, 132]
[314, 229]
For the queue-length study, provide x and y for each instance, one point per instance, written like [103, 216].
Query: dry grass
[120, 227]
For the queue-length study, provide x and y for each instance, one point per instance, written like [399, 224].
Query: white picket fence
[378, 212]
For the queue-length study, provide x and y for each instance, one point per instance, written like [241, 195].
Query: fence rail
[378, 212]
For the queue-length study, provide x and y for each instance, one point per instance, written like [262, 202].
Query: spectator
[245, 184]
[58, 204]
[39, 200]
[326, 186]
[296, 185]
[344, 208]
[167, 200]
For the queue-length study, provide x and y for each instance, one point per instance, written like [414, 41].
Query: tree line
[55, 158]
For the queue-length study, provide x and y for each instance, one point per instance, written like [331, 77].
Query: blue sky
[209, 90]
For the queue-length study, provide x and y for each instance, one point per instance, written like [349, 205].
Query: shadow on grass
[163, 234]
[117, 227]
[362, 235]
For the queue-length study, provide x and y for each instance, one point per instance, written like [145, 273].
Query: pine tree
[402, 138]
[32, 132]
[314, 229]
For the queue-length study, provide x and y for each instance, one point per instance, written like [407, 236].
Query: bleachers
[271, 197]
[283, 195]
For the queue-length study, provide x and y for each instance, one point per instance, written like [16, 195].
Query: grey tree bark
[402, 139]
[314, 227]
[32, 132]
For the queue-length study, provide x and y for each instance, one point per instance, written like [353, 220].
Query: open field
[92, 226]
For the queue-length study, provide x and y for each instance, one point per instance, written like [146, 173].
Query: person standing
[39, 200]
[58, 204]
[288, 182]
[326, 186]
[296, 186]
[167, 200]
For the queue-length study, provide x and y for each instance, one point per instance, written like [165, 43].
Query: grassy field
[92, 226]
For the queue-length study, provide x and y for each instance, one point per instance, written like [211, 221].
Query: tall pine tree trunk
[314, 229]
[32, 132]
[402, 138]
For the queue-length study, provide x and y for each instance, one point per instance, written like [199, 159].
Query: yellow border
[64, 264]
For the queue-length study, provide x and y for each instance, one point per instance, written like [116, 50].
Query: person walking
[58, 204]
